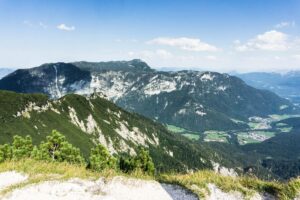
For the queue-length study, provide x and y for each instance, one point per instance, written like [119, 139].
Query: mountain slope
[192, 100]
[86, 121]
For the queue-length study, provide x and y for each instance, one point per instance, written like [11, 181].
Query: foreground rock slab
[118, 188]
[11, 178]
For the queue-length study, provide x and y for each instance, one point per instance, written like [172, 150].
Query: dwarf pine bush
[100, 159]
[21, 147]
[142, 161]
[56, 148]
[5, 152]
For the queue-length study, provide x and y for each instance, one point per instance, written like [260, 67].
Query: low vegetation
[248, 186]
[56, 159]
[57, 149]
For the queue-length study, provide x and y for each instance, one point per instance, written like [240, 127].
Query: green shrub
[100, 159]
[142, 162]
[127, 164]
[21, 147]
[5, 152]
[56, 148]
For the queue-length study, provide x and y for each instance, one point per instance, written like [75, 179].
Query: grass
[191, 136]
[246, 138]
[281, 117]
[176, 129]
[285, 129]
[218, 136]
[281, 124]
[253, 125]
[39, 171]
[238, 121]
[188, 134]
[248, 186]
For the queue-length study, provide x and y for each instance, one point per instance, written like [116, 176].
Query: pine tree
[21, 147]
[56, 148]
[100, 159]
[144, 162]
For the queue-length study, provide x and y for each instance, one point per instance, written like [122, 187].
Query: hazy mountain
[285, 85]
[5, 71]
[193, 100]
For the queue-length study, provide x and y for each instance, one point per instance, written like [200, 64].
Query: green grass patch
[253, 125]
[191, 136]
[216, 136]
[176, 129]
[285, 129]
[281, 124]
[248, 186]
[254, 136]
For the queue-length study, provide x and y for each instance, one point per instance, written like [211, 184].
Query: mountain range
[110, 103]
[285, 85]
[196, 101]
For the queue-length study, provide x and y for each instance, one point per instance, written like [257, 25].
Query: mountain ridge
[189, 99]
[86, 121]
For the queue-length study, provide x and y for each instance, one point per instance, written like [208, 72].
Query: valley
[260, 129]
[198, 120]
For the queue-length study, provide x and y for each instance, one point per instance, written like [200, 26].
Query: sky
[216, 35]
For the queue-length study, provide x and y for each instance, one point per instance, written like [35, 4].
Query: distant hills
[193, 100]
[286, 85]
[5, 71]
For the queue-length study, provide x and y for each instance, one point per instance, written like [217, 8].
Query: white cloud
[163, 53]
[285, 24]
[270, 41]
[64, 27]
[184, 43]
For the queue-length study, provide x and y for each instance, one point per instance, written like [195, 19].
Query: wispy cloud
[44, 26]
[285, 24]
[270, 41]
[184, 43]
[27, 23]
[64, 27]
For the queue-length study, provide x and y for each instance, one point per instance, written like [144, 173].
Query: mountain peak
[132, 65]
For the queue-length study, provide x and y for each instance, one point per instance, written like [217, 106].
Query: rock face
[118, 188]
[192, 100]
[11, 178]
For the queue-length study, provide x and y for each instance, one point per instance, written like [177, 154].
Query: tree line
[56, 148]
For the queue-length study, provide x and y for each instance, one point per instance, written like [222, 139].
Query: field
[216, 136]
[188, 134]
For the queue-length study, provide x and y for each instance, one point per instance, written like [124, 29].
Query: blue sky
[218, 35]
